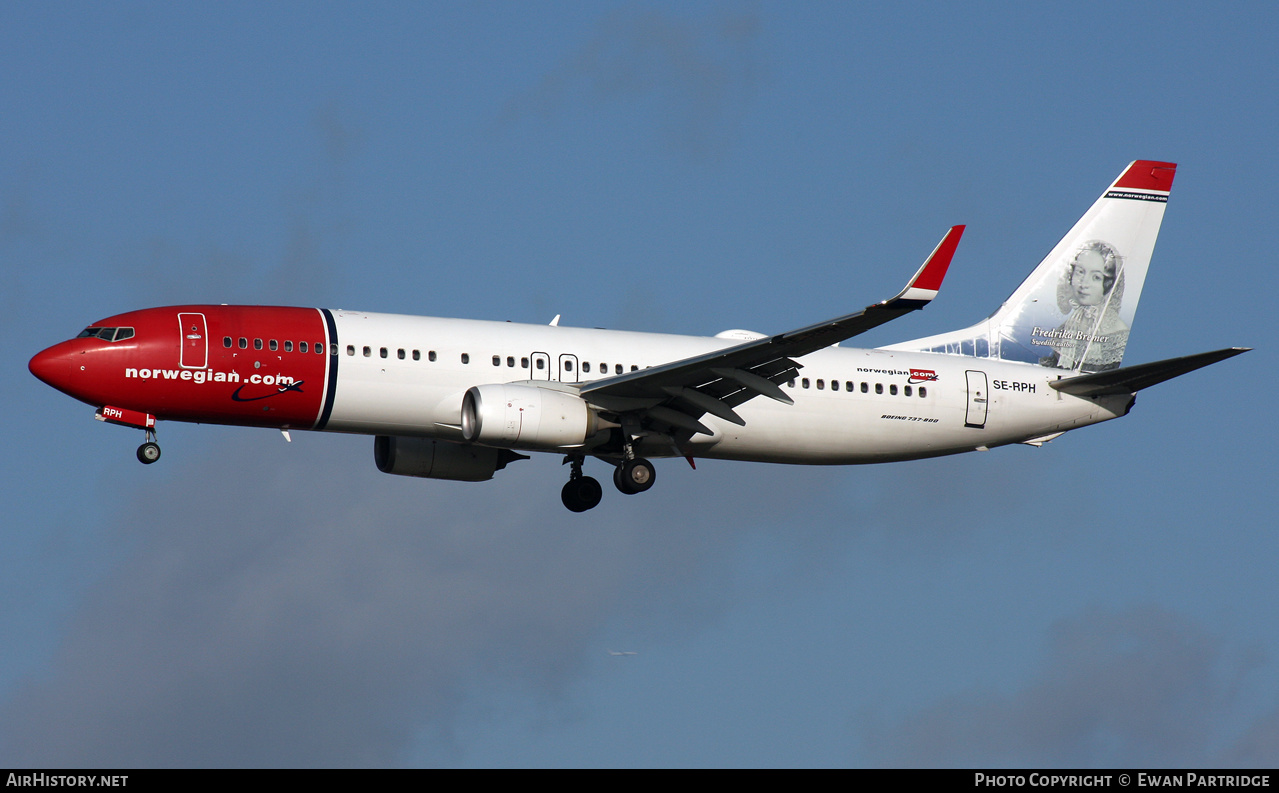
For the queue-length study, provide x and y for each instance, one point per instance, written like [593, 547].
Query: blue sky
[1105, 600]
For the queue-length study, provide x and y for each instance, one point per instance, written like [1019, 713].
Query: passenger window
[274, 345]
[848, 386]
[417, 355]
[382, 351]
[634, 368]
[923, 392]
[368, 352]
[510, 361]
[617, 368]
[865, 388]
[586, 366]
[466, 357]
[790, 383]
[821, 385]
[288, 346]
[302, 347]
[879, 388]
[497, 360]
[257, 344]
[244, 343]
[906, 390]
[524, 363]
[226, 342]
[892, 389]
[541, 364]
[804, 382]
[400, 353]
[430, 355]
[834, 385]
[568, 366]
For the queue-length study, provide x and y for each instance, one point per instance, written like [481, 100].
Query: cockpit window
[106, 334]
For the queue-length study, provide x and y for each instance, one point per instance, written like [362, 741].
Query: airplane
[621, 653]
[461, 399]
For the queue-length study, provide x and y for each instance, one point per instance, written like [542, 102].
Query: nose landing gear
[149, 452]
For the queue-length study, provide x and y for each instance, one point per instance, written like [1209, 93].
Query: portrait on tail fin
[1090, 291]
[1075, 309]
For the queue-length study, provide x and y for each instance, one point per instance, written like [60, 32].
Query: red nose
[59, 365]
[50, 366]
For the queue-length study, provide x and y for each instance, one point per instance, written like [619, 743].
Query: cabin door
[541, 366]
[568, 368]
[195, 342]
[978, 394]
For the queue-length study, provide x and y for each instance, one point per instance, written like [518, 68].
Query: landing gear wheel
[148, 452]
[634, 476]
[581, 494]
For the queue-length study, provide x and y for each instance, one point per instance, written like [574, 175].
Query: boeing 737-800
[460, 399]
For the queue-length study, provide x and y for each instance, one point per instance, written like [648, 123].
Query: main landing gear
[634, 476]
[149, 452]
[583, 492]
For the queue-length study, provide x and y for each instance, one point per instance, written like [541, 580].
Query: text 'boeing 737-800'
[461, 399]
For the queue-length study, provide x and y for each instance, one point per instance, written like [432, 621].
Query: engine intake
[526, 417]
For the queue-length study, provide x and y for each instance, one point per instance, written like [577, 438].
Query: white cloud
[285, 608]
[1141, 687]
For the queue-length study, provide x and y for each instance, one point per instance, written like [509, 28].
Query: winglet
[926, 283]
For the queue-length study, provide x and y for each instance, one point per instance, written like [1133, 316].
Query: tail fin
[1075, 309]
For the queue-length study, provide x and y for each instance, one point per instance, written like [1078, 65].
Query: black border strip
[1129, 194]
[331, 388]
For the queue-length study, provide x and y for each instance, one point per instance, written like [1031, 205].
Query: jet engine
[432, 459]
[527, 417]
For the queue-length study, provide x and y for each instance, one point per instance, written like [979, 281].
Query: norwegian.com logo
[922, 376]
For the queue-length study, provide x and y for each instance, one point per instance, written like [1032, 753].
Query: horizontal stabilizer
[1131, 379]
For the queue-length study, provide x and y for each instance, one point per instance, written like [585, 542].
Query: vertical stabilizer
[1075, 310]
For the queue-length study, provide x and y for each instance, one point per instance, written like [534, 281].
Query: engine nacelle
[526, 416]
[432, 459]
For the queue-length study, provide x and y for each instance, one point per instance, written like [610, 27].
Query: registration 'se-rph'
[459, 399]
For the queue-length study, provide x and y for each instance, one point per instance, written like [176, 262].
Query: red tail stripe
[1148, 175]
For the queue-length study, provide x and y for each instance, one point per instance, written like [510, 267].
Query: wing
[677, 394]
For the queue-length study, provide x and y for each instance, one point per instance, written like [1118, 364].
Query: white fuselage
[850, 405]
